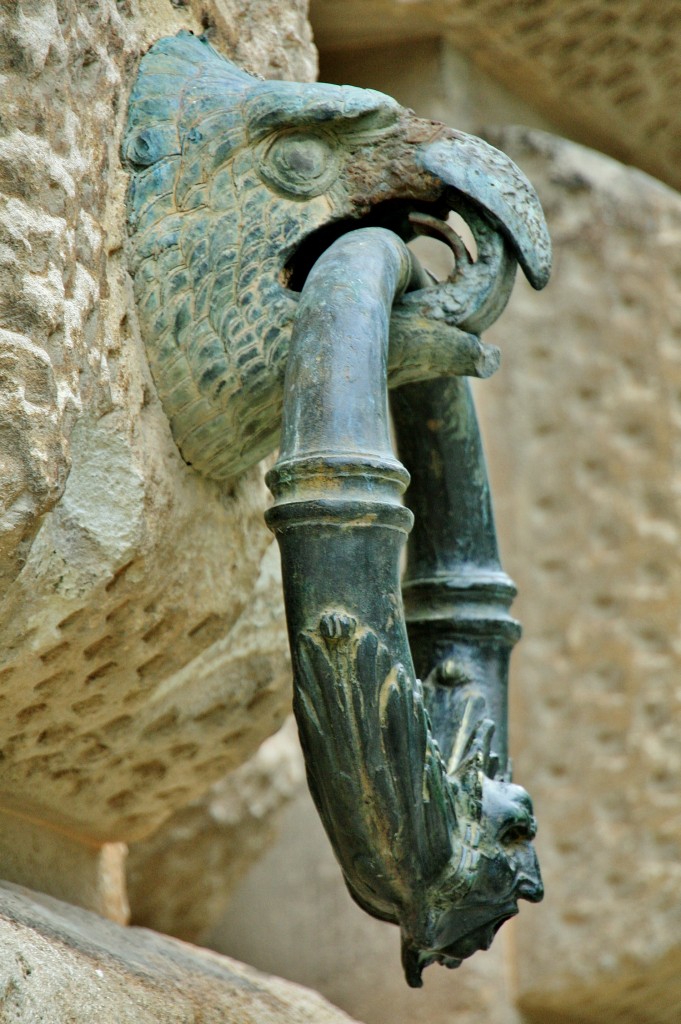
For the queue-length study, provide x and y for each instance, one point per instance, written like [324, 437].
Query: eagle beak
[492, 182]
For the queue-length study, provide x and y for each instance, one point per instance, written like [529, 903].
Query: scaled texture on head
[236, 187]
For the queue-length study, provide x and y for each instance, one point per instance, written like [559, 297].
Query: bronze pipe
[426, 838]
[456, 594]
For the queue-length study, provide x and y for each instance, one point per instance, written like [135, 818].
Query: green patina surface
[411, 780]
[253, 210]
[236, 187]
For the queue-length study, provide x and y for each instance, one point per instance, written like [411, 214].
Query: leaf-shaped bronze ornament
[421, 844]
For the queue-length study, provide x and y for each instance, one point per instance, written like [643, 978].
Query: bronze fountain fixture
[278, 297]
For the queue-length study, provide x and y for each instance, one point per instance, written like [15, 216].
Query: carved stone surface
[62, 964]
[588, 400]
[606, 77]
[181, 879]
[129, 678]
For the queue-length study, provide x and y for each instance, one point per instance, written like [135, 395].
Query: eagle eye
[300, 163]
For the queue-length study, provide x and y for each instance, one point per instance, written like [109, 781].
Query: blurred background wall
[581, 427]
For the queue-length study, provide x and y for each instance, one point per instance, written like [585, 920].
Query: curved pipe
[456, 594]
[426, 837]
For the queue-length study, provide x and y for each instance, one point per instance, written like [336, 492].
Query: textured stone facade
[583, 426]
[142, 650]
[181, 879]
[607, 74]
[61, 964]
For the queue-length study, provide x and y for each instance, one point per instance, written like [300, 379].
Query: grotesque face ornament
[460, 852]
[497, 867]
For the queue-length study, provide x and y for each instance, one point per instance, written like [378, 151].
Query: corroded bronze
[428, 829]
[269, 223]
[237, 185]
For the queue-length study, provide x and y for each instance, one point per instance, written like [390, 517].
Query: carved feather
[372, 760]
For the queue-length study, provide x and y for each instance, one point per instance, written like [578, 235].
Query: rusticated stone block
[142, 645]
[583, 424]
[66, 965]
[181, 878]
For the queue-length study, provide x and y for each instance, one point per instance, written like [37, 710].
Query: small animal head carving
[493, 865]
[238, 185]
[444, 851]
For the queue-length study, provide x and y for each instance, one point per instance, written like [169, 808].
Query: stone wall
[142, 649]
[581, 425]
[181, 879]
[62, 964]
[607, 74]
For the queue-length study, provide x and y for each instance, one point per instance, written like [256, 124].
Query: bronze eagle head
[238, 184]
